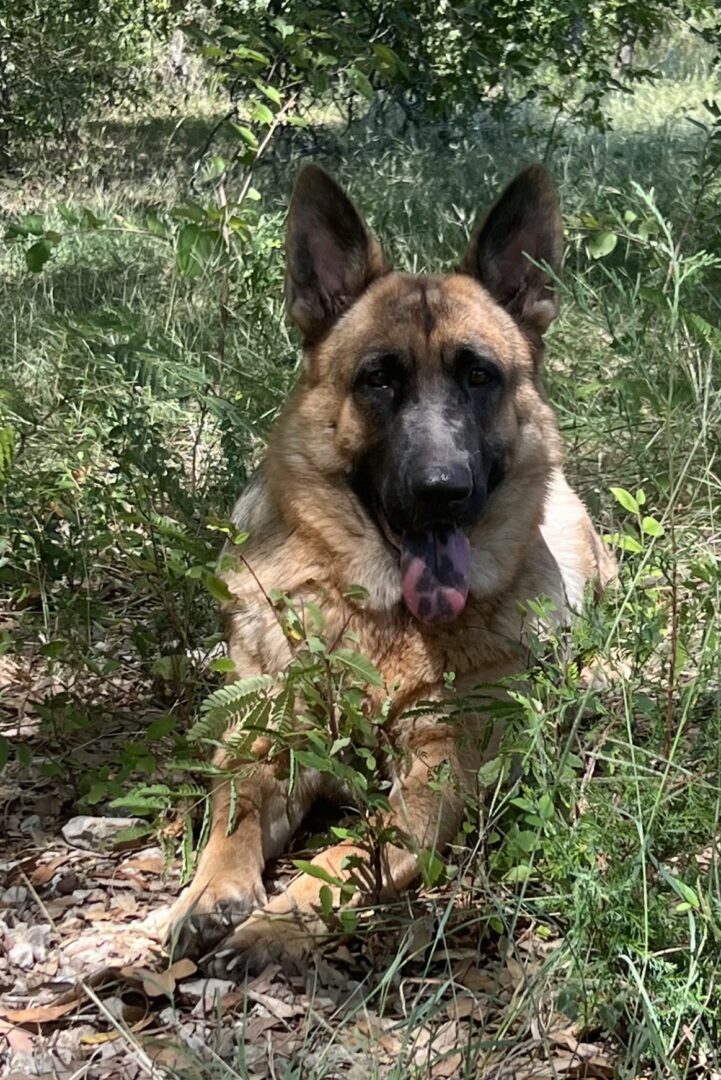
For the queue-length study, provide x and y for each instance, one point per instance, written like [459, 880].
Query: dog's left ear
[332, 256]
[526, 221]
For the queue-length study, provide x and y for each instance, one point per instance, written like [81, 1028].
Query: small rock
[21, 954]
[95, 833]
[32, 826]
[15, 895]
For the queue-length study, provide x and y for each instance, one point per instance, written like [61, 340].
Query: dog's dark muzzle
[442, 490]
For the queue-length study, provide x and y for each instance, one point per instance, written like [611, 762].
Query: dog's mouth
[435, 569]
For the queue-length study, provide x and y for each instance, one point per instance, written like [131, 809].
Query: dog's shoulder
[568, 554]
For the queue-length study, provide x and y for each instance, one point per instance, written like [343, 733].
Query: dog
[416, 457]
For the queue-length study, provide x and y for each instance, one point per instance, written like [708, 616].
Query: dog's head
[421, 390]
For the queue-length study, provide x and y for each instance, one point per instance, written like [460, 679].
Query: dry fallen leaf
[466, 974]
[514, 974]
[19, 1041]
[594, 1067]
[143, 864]
[38, 1014]
[465, 1006]
[447, 1067]
[163, 982]
[44, 872]
[97, 1038]
[256, 1026]
[281, 1010]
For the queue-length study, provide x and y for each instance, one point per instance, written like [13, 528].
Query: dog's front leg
[228, 883]
[426, 807]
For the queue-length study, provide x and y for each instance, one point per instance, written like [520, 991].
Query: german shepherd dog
[416, 457]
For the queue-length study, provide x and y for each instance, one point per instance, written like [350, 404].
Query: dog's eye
[474, 369]
[478, 376]
[381, 373]
[379, 378]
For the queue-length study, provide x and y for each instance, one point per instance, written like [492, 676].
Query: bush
[60, 62]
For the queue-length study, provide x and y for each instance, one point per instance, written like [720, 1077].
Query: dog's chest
[483, 646]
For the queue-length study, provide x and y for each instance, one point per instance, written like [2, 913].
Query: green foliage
[60, 61]
[434, 59]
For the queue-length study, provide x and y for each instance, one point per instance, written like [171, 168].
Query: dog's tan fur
[311, 537]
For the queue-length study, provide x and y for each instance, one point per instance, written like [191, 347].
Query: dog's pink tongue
[436, 570]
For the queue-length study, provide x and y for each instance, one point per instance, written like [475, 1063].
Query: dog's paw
[263, 939]
[206, 912]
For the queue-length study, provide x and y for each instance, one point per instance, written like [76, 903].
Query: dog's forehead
[428, 312]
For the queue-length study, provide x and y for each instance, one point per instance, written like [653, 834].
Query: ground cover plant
[574, 928]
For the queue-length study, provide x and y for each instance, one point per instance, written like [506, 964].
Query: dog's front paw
[266, 938]
[207, 911]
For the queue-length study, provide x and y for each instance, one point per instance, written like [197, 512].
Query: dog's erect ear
[331, 254]
[526, 221]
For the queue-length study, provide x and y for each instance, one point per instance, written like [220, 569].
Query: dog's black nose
[443, 485]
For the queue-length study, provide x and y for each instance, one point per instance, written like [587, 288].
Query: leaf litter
[86, 989]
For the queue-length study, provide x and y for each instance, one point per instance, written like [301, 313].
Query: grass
[133, 431]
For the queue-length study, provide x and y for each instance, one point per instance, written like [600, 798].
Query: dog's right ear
[332, 256]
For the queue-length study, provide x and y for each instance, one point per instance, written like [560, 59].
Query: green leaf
[545, 806]
[37, 255]
[244, 53]
[652, 527]
[355, 592]
[348, 920]
[624, 542]
[27, 225]
[682, 890]
[218, 589]
[4, 752]
[54, 649]
[360, 666]
[488, 774]
[23, 755]
[245, 134]
[431, 867]
[315, 871]
[270, 92]
[155, 225]
[33, 224]
[602, 244]
[360, 82]
[89, 221]
[262, 114]
[164, 725]
[223, 664]
[626, 499]
[519, 873]
[526, 840]
[195, 248]
[387, 59]
[132, 832]
[189, 212]
[326, 901]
